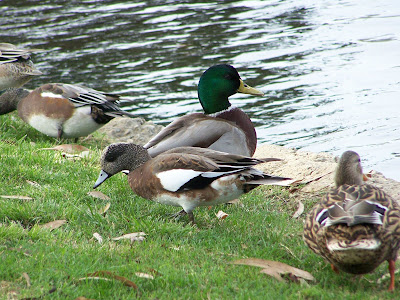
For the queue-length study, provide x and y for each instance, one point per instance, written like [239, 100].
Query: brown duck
[356, 226]
[186, 176]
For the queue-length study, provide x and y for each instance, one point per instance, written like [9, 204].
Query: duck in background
[356, 226]
[186, 176]
[222, 127]
[16, 67]
[63, 110]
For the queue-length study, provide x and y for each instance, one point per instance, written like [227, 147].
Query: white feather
[172, 180]
[366, 244]
[51, 95]
[48, 126]
[81, 123]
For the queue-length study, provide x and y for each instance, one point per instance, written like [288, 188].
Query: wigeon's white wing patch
[172, 180]
[51, 95]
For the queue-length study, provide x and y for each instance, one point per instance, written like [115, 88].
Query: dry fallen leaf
[104, 210]
[98, 237]
[144, 275]
[83, 154]
[98, 194]
[276, 269]
[299, 211]
[83, 298]
[68, 148]
[135, 236]
[54, 224]
[28, 280]
[289, 251]
[16, 197]
[234, 201]
[102, 274]
[33, 183]
[221, 215]
[94, 278]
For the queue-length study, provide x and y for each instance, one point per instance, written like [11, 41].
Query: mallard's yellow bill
[246, 89]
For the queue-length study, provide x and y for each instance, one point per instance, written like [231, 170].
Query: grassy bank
[186, 262]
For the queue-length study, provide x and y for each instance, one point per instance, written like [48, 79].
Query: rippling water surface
[330, 69]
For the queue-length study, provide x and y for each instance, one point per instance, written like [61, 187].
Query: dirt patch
[315, 170]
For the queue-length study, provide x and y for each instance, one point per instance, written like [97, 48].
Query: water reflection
[329, 69]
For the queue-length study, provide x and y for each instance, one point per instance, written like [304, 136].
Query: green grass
[187, 262]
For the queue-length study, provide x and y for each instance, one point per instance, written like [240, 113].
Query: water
[330, 69]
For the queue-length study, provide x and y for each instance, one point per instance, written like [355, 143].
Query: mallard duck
[223, 127]
[16, 67]
[185, 176]
[356, 226]
[62, 110]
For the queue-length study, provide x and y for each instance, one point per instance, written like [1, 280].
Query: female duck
[16, 67]
[222, 127]
[185, 176]
[356, 226]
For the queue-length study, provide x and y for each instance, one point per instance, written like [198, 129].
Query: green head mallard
[222, 127]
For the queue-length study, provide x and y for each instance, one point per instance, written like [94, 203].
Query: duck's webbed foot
[181, 213]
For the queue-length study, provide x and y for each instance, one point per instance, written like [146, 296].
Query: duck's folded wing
[82, 96]
[10, 53]
[196, 130]
[183, 171]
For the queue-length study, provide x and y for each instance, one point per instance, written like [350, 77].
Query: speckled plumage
[355, 227]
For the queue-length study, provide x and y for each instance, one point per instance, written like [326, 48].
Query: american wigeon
[223, 127]
[356, 226]
[63, 110]
[186, 176]
[16, 67]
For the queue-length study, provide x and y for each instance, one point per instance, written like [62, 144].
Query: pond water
[330, 70]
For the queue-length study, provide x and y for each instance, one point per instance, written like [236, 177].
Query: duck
[16, 66]
[185, 176]
[221, 127]
[62, 110]
[356, 226]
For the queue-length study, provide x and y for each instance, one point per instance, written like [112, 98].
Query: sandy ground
[316, 170]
